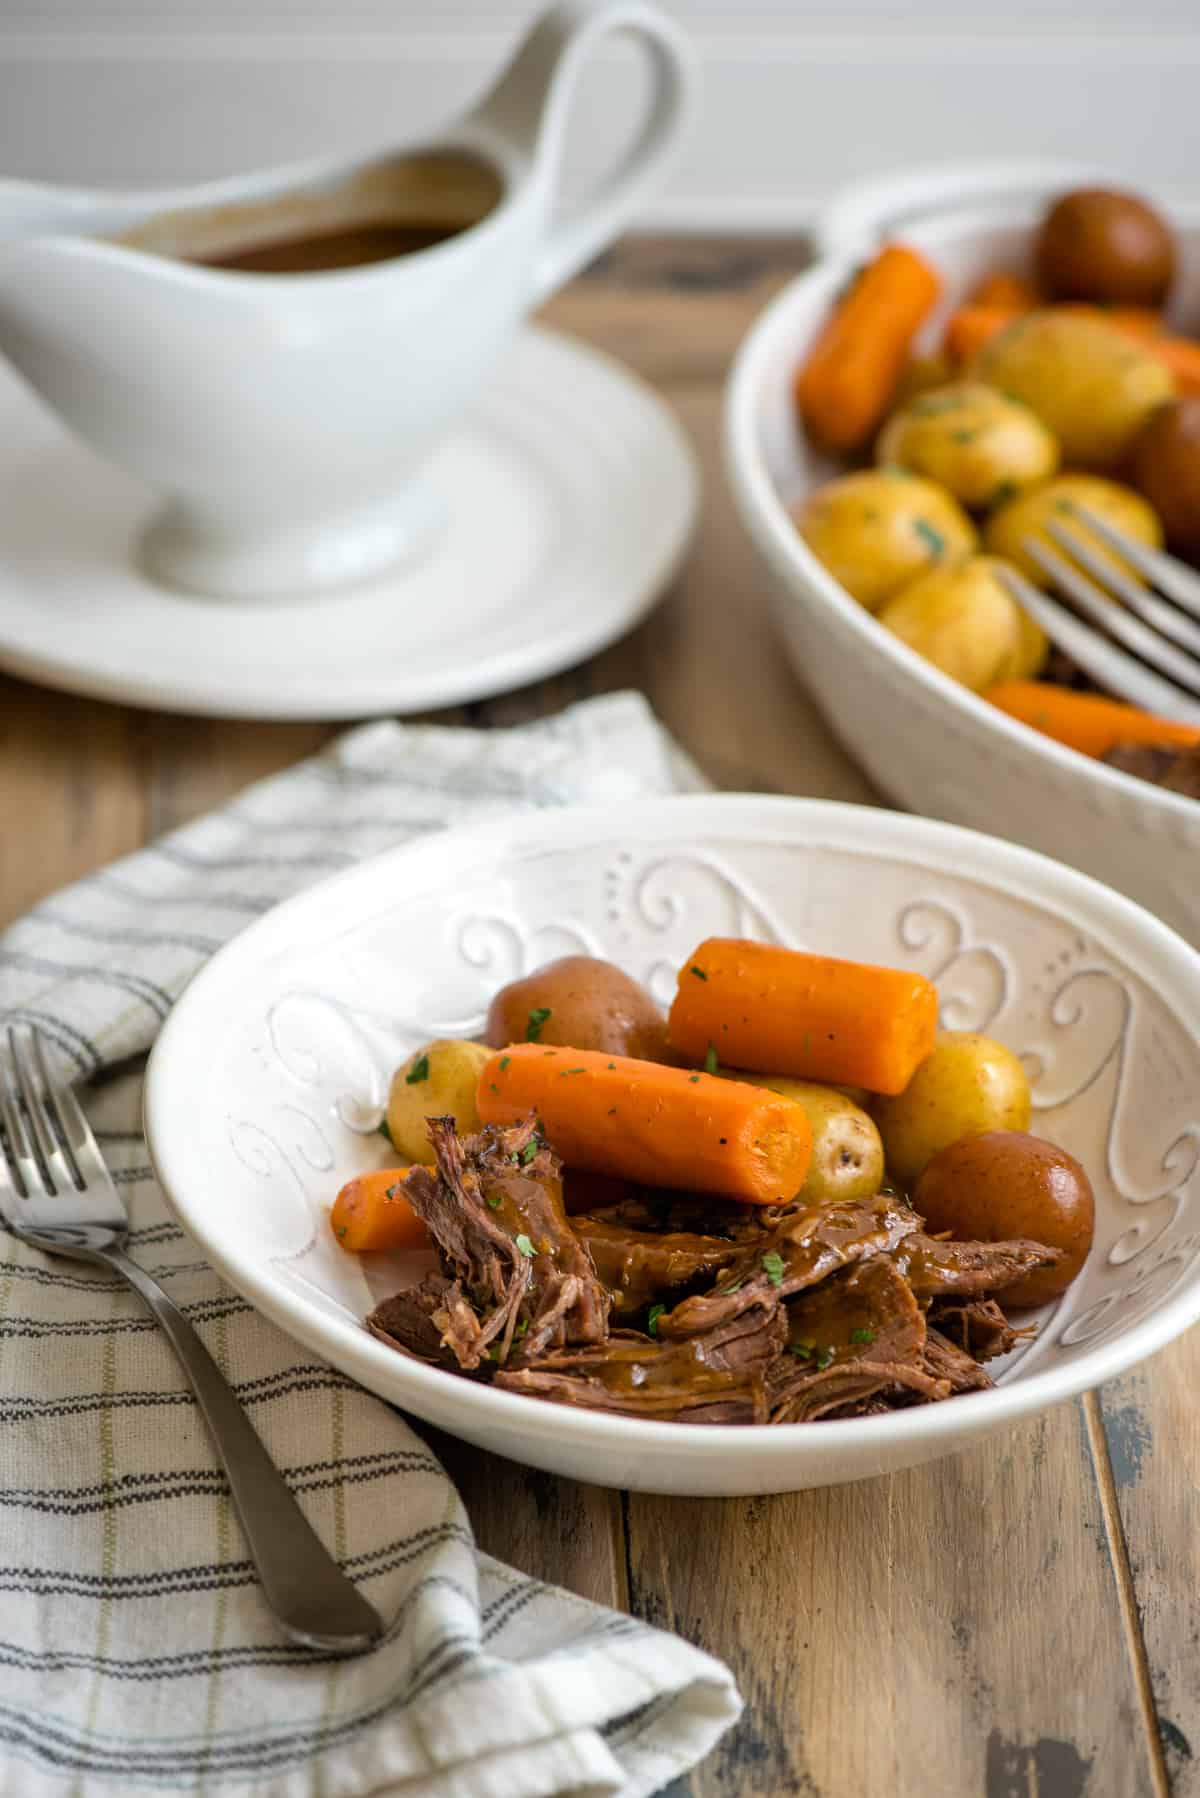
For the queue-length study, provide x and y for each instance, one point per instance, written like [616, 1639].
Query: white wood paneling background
[798, 97]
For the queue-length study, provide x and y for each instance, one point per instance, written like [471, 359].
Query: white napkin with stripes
[136, 1655]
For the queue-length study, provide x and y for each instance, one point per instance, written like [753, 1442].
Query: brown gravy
[349, 247]
[386, 210]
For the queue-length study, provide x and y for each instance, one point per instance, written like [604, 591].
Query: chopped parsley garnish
[504, 1061]
[710, 1060]
[861, 1335]
[728, 1291]
[699, 972]
[529, 1151]
[521, 1329]
[930, 535]
[493, 1353]
[805, 1350]
[385, 1132]
[567, 1071]
[395, 1191]
[823, 1359]
[652, 1317]
[341, 1229]
[695, 1079]
[537, 1017]
[1001, 495]
[773, 1266]
[495, 1204]
[419, 1072]
[494, 1087]
[526, 1247]
[612, 1067]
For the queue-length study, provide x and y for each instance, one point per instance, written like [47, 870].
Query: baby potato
[847, 1154]
[963, 620]
[1005, 532]
[875, 532]
[1111, 248]
[968, 1085]
[1091, 385]
[980, 444]
[579, 1002]
[920, 374]
[1165, 466]
[437, 1081]
[1006, 1184]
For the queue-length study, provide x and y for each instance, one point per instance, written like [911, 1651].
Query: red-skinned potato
[1112, 248]
[579, 1002]
[1008, 1184]
[1164, 466]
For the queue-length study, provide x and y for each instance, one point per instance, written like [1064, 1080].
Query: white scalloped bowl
[277, 1058]
[926, 741]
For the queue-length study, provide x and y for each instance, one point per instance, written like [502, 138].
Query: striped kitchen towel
[135, 1653]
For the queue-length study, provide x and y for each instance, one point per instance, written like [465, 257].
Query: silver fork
[1146, 644]
[56, 1193]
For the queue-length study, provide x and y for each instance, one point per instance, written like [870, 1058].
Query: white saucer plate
[270, 1071]
[570, 496]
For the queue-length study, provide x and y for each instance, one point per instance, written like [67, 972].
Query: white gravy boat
[284, 417]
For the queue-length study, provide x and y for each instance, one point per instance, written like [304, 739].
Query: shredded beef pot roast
[728, 1313]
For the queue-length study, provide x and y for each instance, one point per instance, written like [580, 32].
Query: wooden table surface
[1019, 1621]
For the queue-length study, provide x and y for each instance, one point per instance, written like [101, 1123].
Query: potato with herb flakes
[847, 1154]
[978, 443]
[437, 1081]
[1090, 384]
[579, 1002]
[876, 531]
[965, 621]
[1006, 531]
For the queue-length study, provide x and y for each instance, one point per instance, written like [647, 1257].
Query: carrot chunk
[661, 1126]
[778, 1011]
[1011, 291]
[852, 372]
[1087, 722]
[372, 1213]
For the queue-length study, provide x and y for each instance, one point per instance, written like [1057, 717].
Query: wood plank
[953, 1629]
[1151, 1426]
[71, 790]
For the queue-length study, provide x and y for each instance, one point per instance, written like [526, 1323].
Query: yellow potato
[1033, 650]
[437, 1081]
[1091, 385]
[963, 620]
[1005, 532]
[876, 531]
[847, 1154]
[977, 442]
[968, 1085]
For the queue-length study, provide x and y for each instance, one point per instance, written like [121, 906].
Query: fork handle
[316, 1605]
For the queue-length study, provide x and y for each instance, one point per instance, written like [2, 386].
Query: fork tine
[43, 1135]
[1157, 613]
[20, 1150]
[1109, 666]
[1110, 617]
[1167, 573]
[82, 1147]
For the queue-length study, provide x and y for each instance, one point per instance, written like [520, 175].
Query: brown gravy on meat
[389, 210]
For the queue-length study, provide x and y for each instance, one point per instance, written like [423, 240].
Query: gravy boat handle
[531, 104]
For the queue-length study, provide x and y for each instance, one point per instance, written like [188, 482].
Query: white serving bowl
[926, 741]
[277, 1058]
